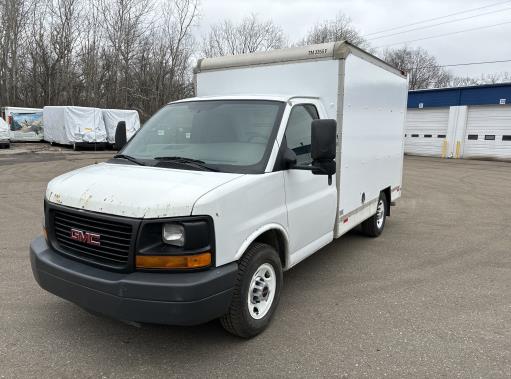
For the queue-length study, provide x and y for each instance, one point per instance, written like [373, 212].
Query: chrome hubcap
[261, 291]
[380, 214]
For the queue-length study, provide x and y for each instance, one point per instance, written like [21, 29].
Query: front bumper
[183, 298]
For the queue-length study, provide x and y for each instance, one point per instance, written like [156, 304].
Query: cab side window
[298, 131]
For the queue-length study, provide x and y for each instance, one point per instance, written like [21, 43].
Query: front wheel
[374, 225]
[256, 293]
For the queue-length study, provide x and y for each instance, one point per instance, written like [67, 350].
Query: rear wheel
[374, 225]
[256, 293]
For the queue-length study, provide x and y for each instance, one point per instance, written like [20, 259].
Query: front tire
[374, 225]
[257, 292]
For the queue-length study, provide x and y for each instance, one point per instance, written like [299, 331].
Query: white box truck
[202, 211]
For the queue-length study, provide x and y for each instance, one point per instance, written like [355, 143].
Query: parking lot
[431, 297]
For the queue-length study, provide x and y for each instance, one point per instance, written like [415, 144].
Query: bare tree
[125, 23]
[250, 35]
[338, 29]
[495, 78]
[53, 42]
[463, 81]
[422, 67]
[164, 63]
[13, 22]
[91, 42]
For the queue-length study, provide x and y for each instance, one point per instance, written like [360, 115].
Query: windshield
[226, 135]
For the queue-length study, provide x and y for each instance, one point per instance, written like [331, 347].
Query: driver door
[311, 202]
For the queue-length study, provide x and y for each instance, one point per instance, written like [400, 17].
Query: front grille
[115, 238]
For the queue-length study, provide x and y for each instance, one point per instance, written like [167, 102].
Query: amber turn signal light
[173, 261]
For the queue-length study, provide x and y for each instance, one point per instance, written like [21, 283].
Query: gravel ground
[430, 298]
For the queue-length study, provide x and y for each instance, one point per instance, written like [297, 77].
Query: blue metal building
[473, 95]
[468, 122]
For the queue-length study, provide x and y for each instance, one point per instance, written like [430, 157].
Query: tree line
[105, 53]
[139, 54]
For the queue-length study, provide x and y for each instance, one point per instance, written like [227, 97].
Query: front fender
[258, 232]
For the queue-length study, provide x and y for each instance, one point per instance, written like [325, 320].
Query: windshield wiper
[129, 158]
[187, 161]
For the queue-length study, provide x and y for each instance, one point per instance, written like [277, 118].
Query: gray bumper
[162, 298]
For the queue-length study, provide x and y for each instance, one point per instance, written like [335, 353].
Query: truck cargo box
[365, 95]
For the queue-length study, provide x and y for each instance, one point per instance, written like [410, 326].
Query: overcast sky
[368, 16]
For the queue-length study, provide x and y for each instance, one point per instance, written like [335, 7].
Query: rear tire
[373, 226]
[256, 293]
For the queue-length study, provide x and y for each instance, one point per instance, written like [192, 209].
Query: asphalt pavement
[430, 298]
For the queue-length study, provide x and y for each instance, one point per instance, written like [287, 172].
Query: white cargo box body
[68, 125]
[111, 117]
[365, 95]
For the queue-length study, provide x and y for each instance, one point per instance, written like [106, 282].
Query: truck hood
[134, 191]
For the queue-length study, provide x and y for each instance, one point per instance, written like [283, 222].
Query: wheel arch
[274, 235]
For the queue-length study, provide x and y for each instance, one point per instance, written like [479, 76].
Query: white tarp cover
[112, 118]
[4, 130]
[67, 125]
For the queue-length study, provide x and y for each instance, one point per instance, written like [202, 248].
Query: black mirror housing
[323, 146]
[120, 135]
[323, 140]
[323, 150]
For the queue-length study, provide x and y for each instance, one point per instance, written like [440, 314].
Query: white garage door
[488, 132]
[426, 131]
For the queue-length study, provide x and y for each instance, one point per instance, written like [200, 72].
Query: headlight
[173, 234]
[175, 243]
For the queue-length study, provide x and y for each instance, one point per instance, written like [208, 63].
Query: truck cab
[197, 217]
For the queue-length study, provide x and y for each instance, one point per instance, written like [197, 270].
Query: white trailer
[28, 127]
[111, 117]
[199, 214]
[70, 125]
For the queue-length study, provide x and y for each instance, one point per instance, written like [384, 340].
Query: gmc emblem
[85, 237]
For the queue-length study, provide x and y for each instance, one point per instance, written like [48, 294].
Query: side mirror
[120, 135]
[323, 147]
[323, 150]
[323, 140]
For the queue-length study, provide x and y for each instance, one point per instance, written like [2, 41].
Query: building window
[415, 135]
[427, 135]
[473, 137]
[489, 137]
[441, 136]
[506, 138]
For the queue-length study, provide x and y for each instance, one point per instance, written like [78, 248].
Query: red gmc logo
[85, 237]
